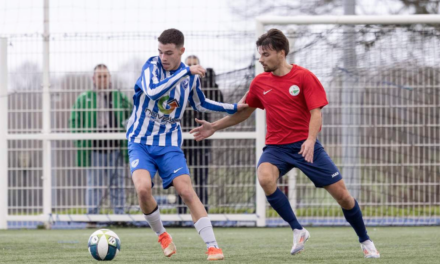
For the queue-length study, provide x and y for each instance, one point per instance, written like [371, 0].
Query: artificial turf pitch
[240, 245]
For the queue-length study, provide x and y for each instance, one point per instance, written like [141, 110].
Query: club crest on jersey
[167, 107]
[294, 90]
[185, 83]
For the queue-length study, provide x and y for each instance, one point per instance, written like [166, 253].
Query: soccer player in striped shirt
[155, 137]
[293, 98]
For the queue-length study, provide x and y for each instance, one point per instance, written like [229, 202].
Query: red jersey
[288, 100]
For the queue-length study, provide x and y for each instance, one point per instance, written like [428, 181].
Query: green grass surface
[240, 245]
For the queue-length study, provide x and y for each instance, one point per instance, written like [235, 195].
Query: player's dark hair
[172, 36]
[274, 39]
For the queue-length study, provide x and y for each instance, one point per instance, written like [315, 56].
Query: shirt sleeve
[199, 103]
[150, 83]
[252, 98]
[314, 93]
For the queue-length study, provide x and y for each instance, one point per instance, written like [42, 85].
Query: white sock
[154, 221]
[204, 228]
[367, 242]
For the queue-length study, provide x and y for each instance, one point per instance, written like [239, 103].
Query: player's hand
[204, 131]
[197, 70]
[307, 149]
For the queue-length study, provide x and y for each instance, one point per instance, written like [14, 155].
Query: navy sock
[354, 217]
[280, 203]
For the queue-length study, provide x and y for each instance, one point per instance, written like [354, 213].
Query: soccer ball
[104, 244]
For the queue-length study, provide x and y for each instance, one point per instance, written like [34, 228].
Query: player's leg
[147, 203]
[185, 190]
[353, 215]
[174, 171]
[200, 218]
[324, 174]
[268, 175]
[271, 166]
[142, 184]
[350, 207]
[143, 169]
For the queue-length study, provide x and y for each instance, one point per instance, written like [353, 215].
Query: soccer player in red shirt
[293, 98]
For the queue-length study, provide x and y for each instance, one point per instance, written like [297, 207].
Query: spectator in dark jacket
[198, 154]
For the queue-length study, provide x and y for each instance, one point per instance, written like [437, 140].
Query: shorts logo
[134, 163]
[335, 174]
[294, 90]
[178, 169]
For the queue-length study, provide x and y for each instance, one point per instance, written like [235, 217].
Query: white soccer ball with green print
[104, 244]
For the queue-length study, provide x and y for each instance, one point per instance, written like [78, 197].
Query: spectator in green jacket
[102, 110]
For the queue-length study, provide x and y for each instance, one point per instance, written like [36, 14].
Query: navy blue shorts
[322, 172]
[169, 161]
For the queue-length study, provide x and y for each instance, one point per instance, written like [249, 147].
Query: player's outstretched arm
[200, 103]
[208, 129]
[154, 88]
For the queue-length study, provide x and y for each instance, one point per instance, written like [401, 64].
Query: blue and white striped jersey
[159, 103]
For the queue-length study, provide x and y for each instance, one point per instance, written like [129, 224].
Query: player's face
[170, 56]
[101, 78]
[270, 58]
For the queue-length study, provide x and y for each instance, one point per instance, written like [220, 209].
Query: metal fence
[382, 126]
[229, 159]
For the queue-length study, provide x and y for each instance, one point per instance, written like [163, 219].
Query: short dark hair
[274, 39]
[172, 36]
[100, 66]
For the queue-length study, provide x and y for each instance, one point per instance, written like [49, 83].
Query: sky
[26, 16]
[123, 34]
[83, 26]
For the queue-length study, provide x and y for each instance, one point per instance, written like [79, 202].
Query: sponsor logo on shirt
[167, 107]
[294, 90]
[156, 117]
[335, 174]
[265, 92]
